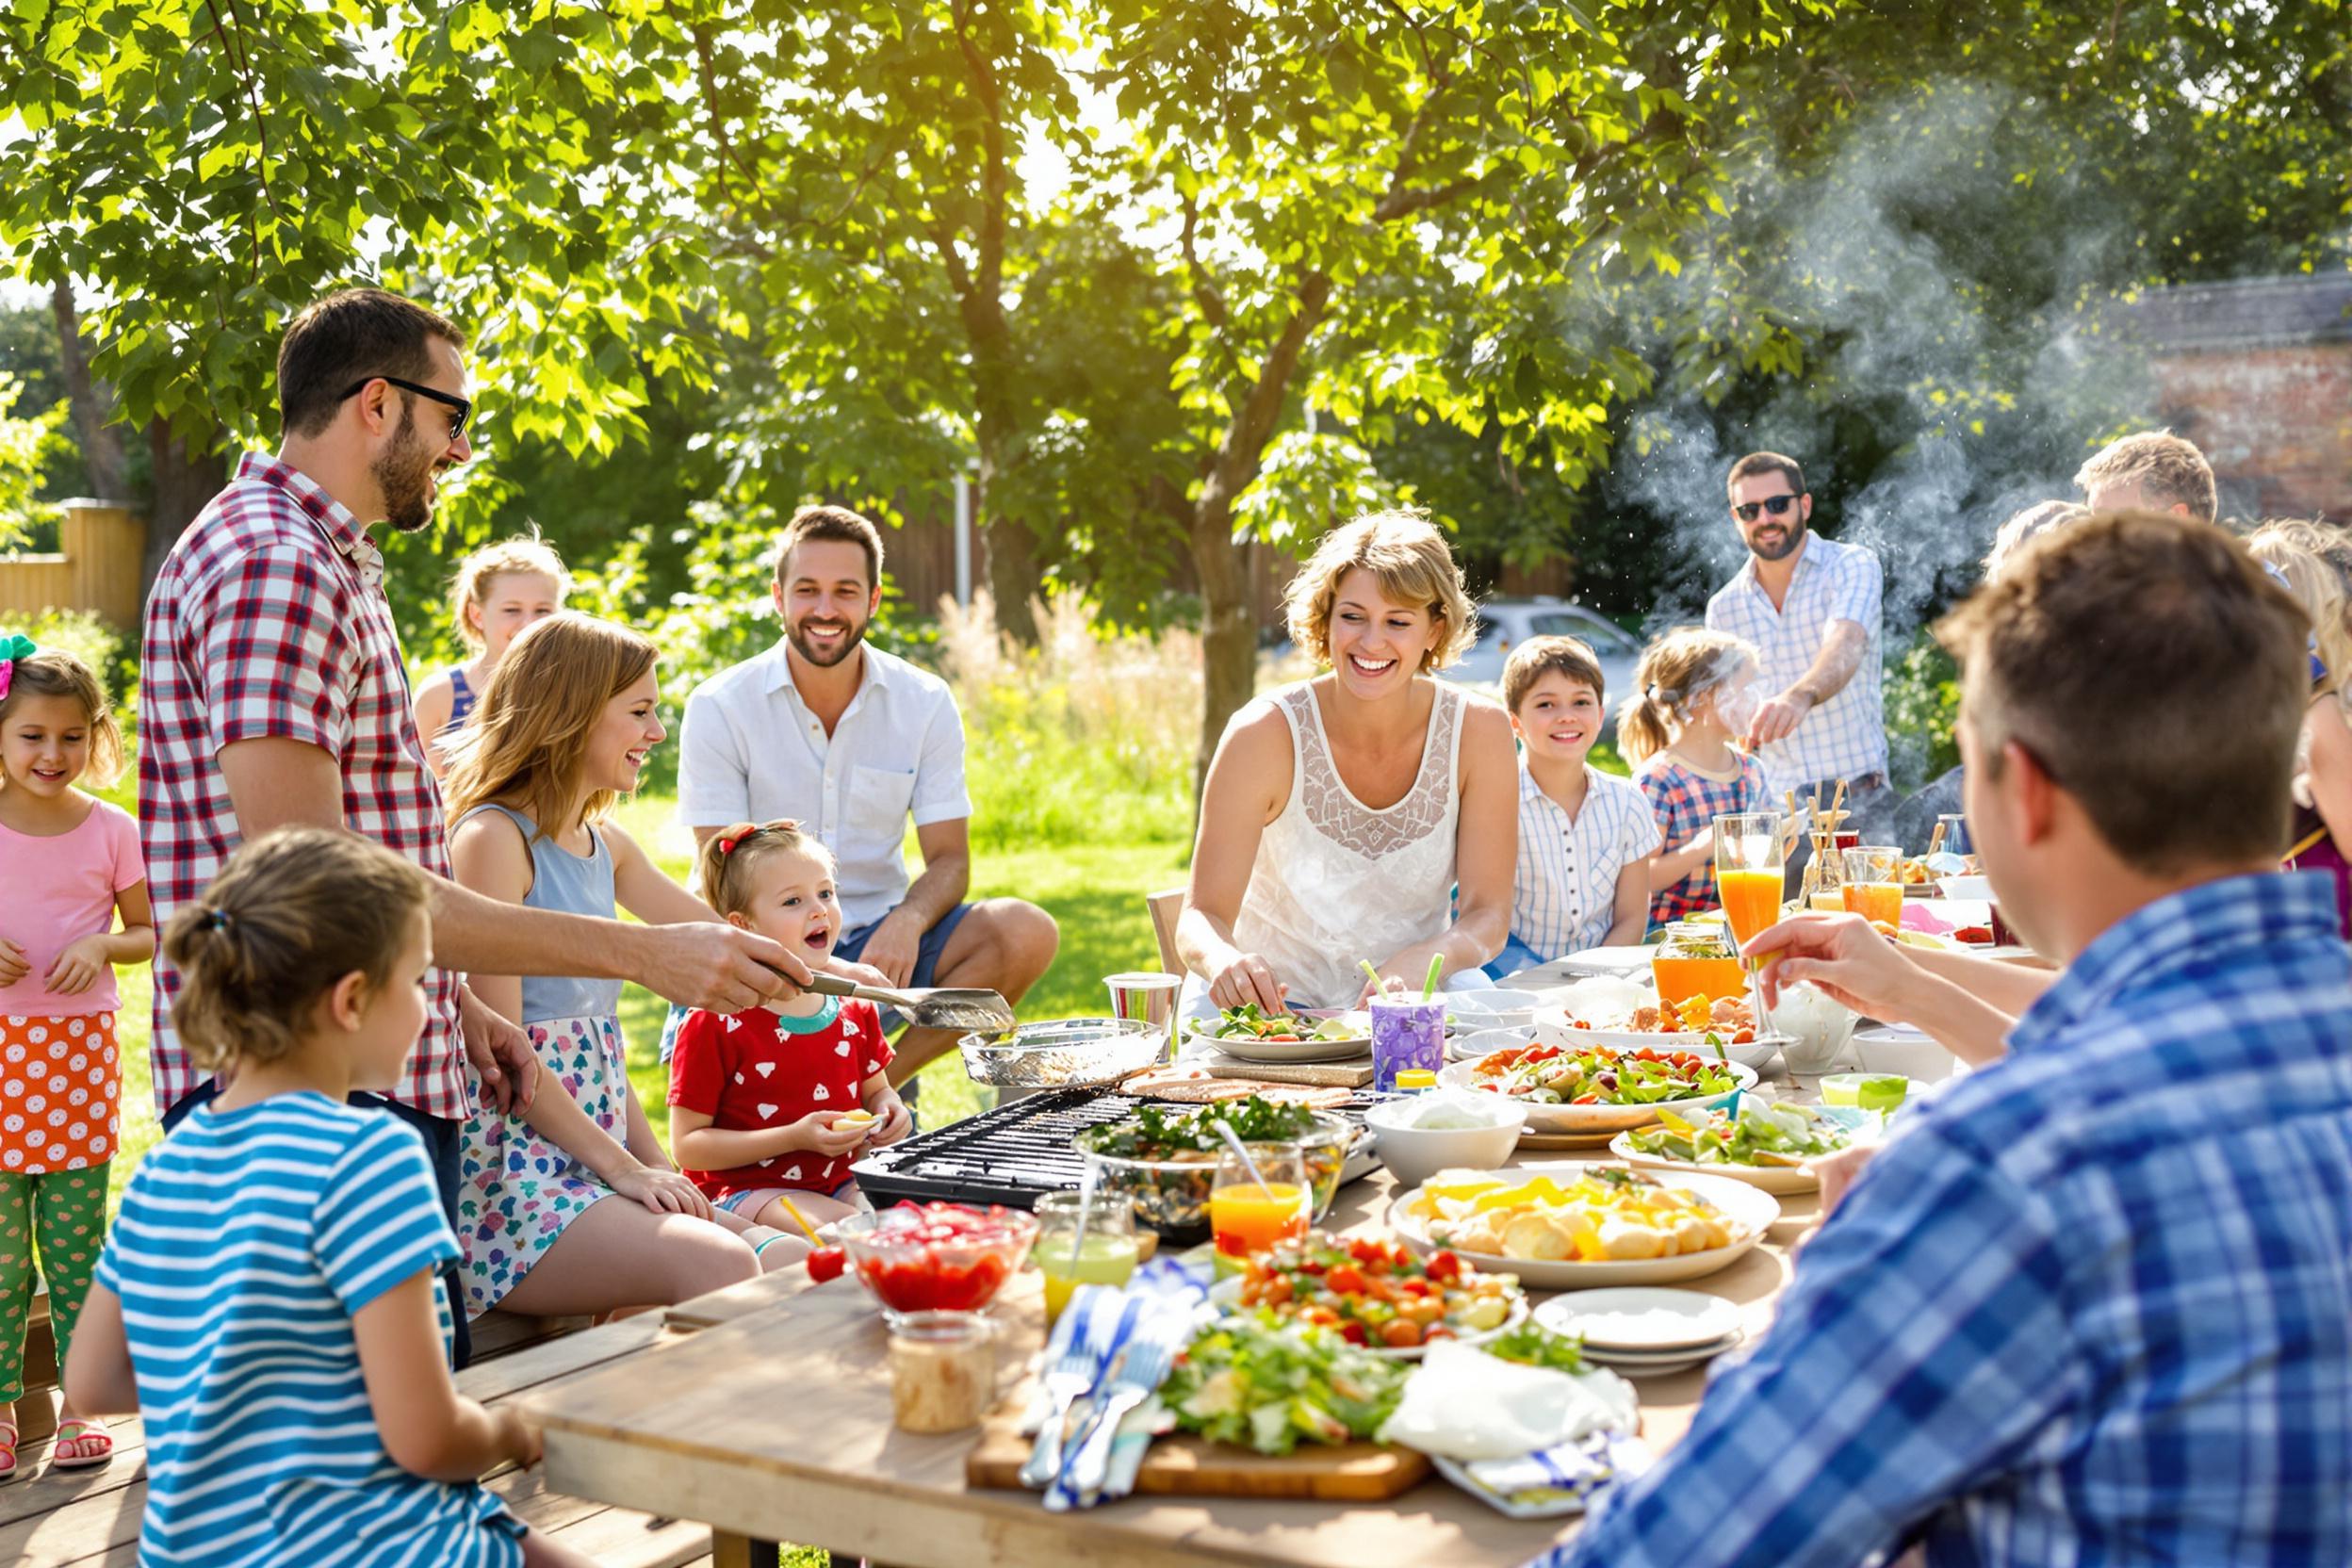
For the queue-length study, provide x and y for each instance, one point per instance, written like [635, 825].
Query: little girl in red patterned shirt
[780, 1099]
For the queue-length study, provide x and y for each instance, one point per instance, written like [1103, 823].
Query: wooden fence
[101, 551]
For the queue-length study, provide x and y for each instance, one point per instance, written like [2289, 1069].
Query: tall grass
[1085, 739]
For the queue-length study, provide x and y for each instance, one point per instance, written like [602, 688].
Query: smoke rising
[1951, 369]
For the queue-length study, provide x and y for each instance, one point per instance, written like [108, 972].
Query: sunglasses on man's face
[1776, 505]
[461, 409]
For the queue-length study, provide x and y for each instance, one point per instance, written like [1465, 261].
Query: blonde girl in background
[270, 1302]
[1694, 689]
[564, 731]
[71, 865]
[774, 1103]
[2322, 835]
[499, 591]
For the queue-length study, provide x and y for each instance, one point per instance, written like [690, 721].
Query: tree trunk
[1229, 630]
[93, 403]
[1013, 577]
[184, 480]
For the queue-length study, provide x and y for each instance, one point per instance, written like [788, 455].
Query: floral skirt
[516, 1190]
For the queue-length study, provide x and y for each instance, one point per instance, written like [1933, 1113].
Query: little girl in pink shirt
[70, 864]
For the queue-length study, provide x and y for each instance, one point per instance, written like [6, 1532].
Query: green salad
[1760, 1134]
[1246, 1023]
[1157, 1133]
[1532, 1345]
[1245, 1382]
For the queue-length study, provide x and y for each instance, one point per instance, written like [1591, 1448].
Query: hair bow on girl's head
[12, 648]
[733, 837]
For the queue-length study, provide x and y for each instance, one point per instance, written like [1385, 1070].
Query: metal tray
[1020, 1151]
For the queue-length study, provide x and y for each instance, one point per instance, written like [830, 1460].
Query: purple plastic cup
[1406, 1035]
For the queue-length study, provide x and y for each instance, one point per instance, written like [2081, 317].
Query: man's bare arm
[275, 782]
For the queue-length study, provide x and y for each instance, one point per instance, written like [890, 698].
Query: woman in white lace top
[1368, 814]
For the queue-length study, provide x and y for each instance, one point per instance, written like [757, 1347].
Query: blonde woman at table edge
[1367, 813]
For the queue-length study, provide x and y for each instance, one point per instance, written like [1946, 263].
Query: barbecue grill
[1018, 1153]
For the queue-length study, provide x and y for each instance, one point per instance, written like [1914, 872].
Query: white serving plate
[1751, 1213]
[1642, 1320]
[1281, 1051]
[1778, 1180]
[1226, 1296]
[1599, 1118]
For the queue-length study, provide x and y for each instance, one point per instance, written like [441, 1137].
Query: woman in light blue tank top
[565, 724]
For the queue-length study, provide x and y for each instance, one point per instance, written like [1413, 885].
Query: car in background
[1504, 624]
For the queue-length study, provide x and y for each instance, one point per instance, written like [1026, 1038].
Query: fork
[1141, 1371]
[1067, 1381]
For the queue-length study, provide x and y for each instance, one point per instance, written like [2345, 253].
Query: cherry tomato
[1400, 1332]
[826, 1263]
[1444, 1267]
[1346, 1279]
[1352, 1332]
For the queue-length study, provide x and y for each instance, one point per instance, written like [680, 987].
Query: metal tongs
[949, 1008]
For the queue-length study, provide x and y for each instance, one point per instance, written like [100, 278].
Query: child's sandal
[80, 1431]
[8, 1450]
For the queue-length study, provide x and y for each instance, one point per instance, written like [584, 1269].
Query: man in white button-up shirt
[1811, 606]
[850, 742]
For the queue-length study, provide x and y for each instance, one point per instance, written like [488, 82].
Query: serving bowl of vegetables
[1601, 1089]
[1771, 1147]
[1163, 1159]
[1376, 1294]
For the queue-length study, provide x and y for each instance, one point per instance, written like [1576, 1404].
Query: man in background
[1811, 606]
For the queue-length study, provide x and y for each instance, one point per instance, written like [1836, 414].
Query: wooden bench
[89, 1518]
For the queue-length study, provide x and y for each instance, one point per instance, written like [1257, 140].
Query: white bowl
[1417, 1153]
[1479, 1042]
[1907, 1051]
[1818, 1028]
[1492, 1007]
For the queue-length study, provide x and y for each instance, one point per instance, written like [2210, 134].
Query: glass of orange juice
[1749, 871]
[1250, 1214]
[1873, 884]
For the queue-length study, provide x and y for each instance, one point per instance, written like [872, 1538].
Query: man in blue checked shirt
[2092, 1305]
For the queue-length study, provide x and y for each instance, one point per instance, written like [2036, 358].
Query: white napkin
[1464, 1404]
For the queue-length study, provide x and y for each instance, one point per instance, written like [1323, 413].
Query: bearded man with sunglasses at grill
[1811, 606]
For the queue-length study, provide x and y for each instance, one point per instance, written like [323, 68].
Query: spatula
[949, 1008]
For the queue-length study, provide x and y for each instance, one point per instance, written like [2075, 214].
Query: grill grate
[1012, 1155]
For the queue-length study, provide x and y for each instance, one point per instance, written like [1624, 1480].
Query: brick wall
[2275, 423]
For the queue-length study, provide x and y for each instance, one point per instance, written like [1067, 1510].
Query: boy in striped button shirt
[1585, 837]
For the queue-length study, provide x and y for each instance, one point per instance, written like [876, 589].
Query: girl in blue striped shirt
[269, 1300]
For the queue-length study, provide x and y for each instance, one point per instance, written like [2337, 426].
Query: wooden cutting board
[1188, 1467]
[1314, 1076]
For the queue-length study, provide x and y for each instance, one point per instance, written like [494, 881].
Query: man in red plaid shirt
[273, 693]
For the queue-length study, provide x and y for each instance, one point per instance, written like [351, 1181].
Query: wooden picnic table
[765, 1411]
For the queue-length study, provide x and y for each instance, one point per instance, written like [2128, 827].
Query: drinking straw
[799, 1219]
[1379, 987]
[1428, 981]
[1247, 1162]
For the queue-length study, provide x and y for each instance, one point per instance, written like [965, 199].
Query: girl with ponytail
[270, 1301]
[1694, 689]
